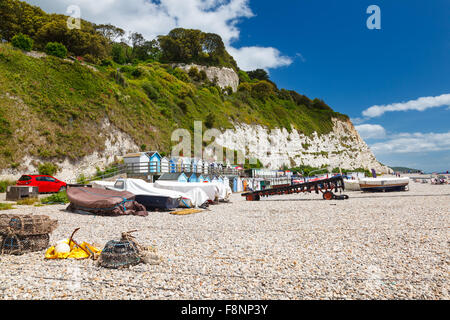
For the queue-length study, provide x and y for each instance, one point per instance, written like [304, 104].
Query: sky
[393, 81]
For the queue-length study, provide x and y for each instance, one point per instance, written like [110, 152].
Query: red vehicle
[45, 183]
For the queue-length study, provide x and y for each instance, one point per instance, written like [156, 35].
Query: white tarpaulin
[194, 198]
[224, 190]
[102, 184]
[211, 190]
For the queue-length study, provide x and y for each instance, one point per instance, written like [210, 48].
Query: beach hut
[192, 177]
[178, 177]
[206, 178]
[199, 166]
[165, 165]
[154, 161]
[137, 162]
[214, 179]
[205, 167]
[173, 165]
[200, 178]
[237, 184]
[194, 162]
[186, 164]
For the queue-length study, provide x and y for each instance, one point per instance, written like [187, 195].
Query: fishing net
[126, 252]
[25, 233]
[25, 225]
[17, 245]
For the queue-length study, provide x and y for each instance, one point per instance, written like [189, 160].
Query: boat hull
[157, 202]
[380, 184]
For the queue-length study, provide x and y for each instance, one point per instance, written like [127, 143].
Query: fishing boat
[149, 196]
[352, 185]
[384, 184]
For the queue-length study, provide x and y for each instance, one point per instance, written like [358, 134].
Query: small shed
[155, 161]
[173, 165]
[179, 177]
[205, 167]
[165, 166]
[194, 163]
[137, 162]
[199, 166]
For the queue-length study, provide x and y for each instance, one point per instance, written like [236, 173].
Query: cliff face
[226, 77]
[343, 147]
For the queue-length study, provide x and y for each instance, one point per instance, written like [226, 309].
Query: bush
[6, 206]
[56, 49]
[210, 119]
[27, 201]
[263, 89]
[57, 198]
[151, 92]
[106, 63]
[48, 168]
[193, 73]
[244, 87]
[5, 183]
[180, 74]
[228, 90]
[22, 41]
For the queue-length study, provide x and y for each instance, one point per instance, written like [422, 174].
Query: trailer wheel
[328, 195]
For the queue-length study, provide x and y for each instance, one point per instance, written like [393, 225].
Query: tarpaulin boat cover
[211, 190]
[104, 202]
[194, 198]
[224, 190]
[102, 184]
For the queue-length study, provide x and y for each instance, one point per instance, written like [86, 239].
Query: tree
[22, 41]
[258, 74]
[110, 32]
[262, 89]
[118, 53]
[194, 46]
[56, 49]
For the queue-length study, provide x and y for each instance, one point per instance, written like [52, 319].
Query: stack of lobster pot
[20, 234]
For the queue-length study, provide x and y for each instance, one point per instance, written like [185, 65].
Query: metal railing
[156, 168]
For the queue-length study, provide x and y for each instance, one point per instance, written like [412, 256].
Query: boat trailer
[325, 186]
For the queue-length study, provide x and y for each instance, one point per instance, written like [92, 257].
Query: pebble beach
[392, 245]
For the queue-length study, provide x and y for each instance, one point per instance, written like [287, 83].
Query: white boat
[384, 184]
[351, 185]
[152, 197]
[211, 190]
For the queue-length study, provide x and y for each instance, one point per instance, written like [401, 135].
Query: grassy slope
[64, 104]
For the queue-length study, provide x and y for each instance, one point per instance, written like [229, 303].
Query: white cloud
[369, 131]
[250, 58]
[413, 143]
[153, 18]
[420, 104]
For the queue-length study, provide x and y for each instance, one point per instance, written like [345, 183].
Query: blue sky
[324, 49]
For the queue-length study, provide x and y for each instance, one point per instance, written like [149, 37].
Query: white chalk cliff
[343, 147]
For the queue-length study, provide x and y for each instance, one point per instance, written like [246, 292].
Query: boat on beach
[352, 185]
[384, 184]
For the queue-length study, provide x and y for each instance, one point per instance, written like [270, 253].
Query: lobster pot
[17, 245]
[119, 254]
[26, 225]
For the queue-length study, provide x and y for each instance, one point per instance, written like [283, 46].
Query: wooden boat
[384, 184]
